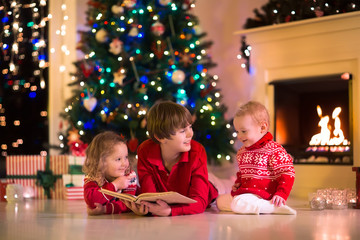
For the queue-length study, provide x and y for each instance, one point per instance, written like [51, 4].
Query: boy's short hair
[165, 117]
[256, 110]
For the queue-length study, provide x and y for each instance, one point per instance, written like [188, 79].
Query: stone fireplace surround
[308, 48]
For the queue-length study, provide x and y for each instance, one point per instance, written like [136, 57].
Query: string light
[244, 55]
[19, 30]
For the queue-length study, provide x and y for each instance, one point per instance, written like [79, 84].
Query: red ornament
[158, 29]
[96, 5]
[133, 144]
[87, 69]
[319, 12]
[158, 48]
[205, 92]
[78, 148]
[187, 4]
[111, 117]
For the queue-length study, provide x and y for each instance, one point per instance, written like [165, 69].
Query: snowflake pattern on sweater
[265, 169]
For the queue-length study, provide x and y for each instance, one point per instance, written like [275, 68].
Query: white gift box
[75, 180]
[76, 160]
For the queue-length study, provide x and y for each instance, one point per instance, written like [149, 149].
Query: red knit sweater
[265, 169]
[189, 176]
[112, 204]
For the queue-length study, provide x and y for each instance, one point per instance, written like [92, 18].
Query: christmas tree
[136, 53]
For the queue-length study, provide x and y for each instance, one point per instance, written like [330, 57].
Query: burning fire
[337, 143]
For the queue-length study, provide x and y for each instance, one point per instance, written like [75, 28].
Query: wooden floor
[60, 219]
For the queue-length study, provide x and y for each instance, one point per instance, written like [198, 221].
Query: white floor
[61, 219]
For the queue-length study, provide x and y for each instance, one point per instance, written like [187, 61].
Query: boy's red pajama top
[113, 205]
[189, 176]
[265, 169]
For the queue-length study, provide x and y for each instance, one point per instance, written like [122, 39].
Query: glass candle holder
[14, 193]
[326, 193]
[339, 199]
[351, 197]
[317, 201]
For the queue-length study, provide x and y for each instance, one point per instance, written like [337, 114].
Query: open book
[168, 197]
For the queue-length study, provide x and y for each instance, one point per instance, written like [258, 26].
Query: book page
[123, 196]
[168, 197]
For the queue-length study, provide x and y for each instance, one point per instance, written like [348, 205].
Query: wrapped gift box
[26, 167]
[76, 160]
[74, 193]
[3, 184]
[75, 164]
[73, 180]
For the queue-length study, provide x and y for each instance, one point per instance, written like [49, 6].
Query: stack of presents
[41, 177]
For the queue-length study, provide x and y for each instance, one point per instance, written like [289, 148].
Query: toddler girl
[107, 166]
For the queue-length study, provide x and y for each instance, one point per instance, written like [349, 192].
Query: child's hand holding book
[138, 209]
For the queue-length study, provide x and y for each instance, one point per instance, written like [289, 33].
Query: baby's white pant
[250, 204]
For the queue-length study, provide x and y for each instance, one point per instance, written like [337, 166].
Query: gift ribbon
[75, 168]
[46, 178]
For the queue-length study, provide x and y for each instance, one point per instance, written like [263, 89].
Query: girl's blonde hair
[256, 110]
[165, 117]
[100, 147]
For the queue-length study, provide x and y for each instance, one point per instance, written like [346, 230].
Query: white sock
[251, 204]
[266, 207]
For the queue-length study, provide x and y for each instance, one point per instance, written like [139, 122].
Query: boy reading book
[172, 161]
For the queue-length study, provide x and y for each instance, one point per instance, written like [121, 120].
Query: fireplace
[305, 61]
[312, 118]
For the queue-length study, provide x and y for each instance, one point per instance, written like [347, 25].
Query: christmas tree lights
[138, 52]
[283, 11]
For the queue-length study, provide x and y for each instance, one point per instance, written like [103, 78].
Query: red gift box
[26, 167]
[74, 193]
[3, 185]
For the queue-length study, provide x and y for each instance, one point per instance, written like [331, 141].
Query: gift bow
[46, 178]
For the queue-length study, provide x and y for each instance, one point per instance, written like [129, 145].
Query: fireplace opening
[313, 118]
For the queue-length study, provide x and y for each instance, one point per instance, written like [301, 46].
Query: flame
[324, 137]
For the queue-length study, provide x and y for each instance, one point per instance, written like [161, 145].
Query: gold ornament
[73, 136]
[119, 76]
